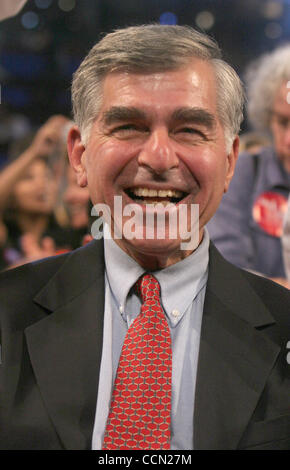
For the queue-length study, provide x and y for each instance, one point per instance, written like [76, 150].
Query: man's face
[158, 132]
[280, 125]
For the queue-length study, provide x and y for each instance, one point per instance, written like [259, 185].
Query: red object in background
[61, 251]
[268, 211]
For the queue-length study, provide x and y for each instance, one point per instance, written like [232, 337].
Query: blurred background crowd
[42, 42]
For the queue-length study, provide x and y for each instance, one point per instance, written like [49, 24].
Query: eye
[189, 130]
[190, 133]
[128, 130]
[27, 177]
[283, 122]
[125, 127]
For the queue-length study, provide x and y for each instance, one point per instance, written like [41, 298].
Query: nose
[41, 182]
[157, 153]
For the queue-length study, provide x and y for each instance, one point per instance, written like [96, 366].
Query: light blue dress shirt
[182, 296]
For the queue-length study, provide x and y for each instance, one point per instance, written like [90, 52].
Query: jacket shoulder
[68, 273]
[275, 297]
[247, 293]
[27, 279]
[18, 287]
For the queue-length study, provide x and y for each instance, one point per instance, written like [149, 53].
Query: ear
[231, 162]
[76, 155]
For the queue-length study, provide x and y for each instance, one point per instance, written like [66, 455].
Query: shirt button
[175, 313]
[121, 308]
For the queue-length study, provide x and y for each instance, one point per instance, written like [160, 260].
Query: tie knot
[148, 287]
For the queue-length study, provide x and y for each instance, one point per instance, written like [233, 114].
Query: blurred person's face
[155, 132]
[280, 125]
[75, 198]
[35, 192]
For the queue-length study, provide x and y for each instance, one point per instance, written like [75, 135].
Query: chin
[155, 247]
[41, 210]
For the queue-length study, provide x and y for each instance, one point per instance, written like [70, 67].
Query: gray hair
[154, 48]
[263, 78]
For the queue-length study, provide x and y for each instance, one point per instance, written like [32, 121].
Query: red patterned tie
[139, 417]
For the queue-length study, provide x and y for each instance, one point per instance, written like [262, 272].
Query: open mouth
[155, 196]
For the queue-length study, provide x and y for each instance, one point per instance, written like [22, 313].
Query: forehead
[281, 101]
[193, 85]
[35, 169]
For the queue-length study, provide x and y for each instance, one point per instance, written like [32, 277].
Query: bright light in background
[66, 5]
[205, 20]
[30, 20]
[43, 4]
[273, 30]
[272, 9]
[168, 18]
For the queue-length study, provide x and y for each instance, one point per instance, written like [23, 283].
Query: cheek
[210, 172]
[205, 166]
[21, 192]
[106, 162]
[21, 200]
[98, 180]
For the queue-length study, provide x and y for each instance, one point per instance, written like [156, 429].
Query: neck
[153, 261]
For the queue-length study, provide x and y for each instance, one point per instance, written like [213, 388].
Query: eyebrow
[122, 113]
[184, 114]
[195, 115]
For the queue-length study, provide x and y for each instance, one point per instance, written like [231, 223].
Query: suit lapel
[65, 347]
[235, 358]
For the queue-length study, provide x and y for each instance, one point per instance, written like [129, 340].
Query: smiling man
[158, 138]
[136, 342]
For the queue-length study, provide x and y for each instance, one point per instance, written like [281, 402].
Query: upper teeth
[145, 192]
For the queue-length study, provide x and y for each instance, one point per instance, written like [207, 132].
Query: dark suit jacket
[51, 330]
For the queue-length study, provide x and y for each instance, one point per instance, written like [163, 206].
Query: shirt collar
[122, 270]
[180, 283]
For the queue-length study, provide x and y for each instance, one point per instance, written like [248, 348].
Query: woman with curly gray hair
[247, 228]
[269, 99]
